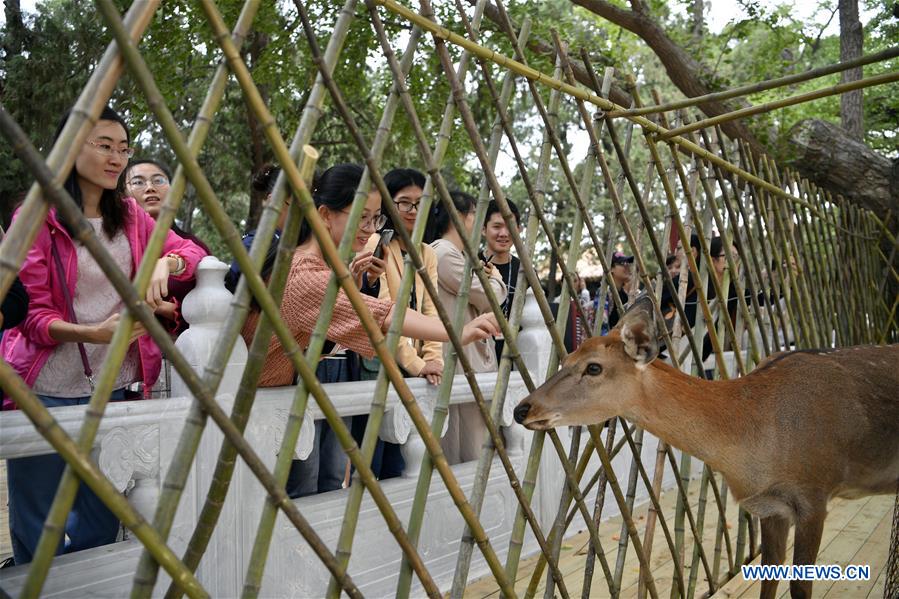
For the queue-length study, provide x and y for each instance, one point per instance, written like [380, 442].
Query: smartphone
[386, 237]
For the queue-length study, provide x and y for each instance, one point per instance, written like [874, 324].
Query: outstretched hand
[482, 327]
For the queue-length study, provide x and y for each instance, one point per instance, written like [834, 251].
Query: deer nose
[521, 412]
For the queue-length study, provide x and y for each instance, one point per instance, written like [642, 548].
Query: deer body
[764, 431]
[802, 428]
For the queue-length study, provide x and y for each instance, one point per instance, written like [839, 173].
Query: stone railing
[136, 442]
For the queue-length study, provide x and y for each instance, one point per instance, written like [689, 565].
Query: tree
[693, 77]
[851, 38]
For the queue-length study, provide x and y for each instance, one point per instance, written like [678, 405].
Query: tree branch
[683, 70]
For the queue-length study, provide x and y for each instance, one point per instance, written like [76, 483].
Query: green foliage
[46, 61]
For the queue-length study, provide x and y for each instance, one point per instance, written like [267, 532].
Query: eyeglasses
[108, 150]
[373, 222]
[155, 181]
[404, 206]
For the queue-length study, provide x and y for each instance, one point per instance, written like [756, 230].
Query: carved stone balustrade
[137, 442]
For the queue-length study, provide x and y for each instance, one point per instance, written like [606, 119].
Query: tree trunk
[828, 156]
[258, 156]
[851, 38]
[698, 22]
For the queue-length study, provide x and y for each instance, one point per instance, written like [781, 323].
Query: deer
[803, 427]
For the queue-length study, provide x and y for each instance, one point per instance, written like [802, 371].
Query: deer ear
[638, 336]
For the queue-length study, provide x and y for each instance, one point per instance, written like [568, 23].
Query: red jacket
[27, 347]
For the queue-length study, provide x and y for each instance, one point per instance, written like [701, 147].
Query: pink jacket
[27, 347]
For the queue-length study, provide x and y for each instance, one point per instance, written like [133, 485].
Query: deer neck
[691, 414]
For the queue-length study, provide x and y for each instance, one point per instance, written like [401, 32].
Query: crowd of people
[62, 312]
[60, 315]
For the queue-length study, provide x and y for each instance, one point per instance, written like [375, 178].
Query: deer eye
[593, 369]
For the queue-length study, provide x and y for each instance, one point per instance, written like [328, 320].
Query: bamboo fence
[809, 270]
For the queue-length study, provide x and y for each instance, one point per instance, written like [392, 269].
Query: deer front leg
[805, 550]
[774, 549]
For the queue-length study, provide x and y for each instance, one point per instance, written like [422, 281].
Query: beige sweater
[451, 265]
[411, 354]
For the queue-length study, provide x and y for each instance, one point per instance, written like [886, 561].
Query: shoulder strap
[88, 373]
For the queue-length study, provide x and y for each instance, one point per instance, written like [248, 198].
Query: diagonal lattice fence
[790, 241]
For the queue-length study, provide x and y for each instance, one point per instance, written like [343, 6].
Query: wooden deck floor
[856, 532]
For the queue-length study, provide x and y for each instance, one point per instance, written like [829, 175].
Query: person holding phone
[417, 358]
[333, 194]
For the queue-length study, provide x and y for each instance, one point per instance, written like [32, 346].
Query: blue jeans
[32, 484]
[325, 468]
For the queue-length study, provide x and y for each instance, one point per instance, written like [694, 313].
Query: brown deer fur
[803, 427]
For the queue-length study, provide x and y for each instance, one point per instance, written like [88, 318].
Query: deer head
[596, 380]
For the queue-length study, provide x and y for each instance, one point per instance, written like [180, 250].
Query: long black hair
[397, 180]
[335, 189]
[111, 208]
[439, 220]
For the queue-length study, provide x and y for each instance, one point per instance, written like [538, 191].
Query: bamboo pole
[246, 390]
[691, 262]
[783, 239]
[810, 259]
[370, 437]
[799, 273]
[189, 440]
[754, 88]
[558, 528]
[298, 408]
[832, 90]
[757, 197]
[721, 290]
[54, 527]
[529, 480]
[733, 271]
[330, 253]
[510, 338]
[745, 243]
[441, 408]
[501, 126]
[497, 193]
[700, 525]
[135, 61]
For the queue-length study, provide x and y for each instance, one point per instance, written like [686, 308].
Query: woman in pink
[44, 350]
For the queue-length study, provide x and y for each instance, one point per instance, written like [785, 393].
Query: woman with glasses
[417, 358]
[147, 181]
[73, 314]
[304, 292]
